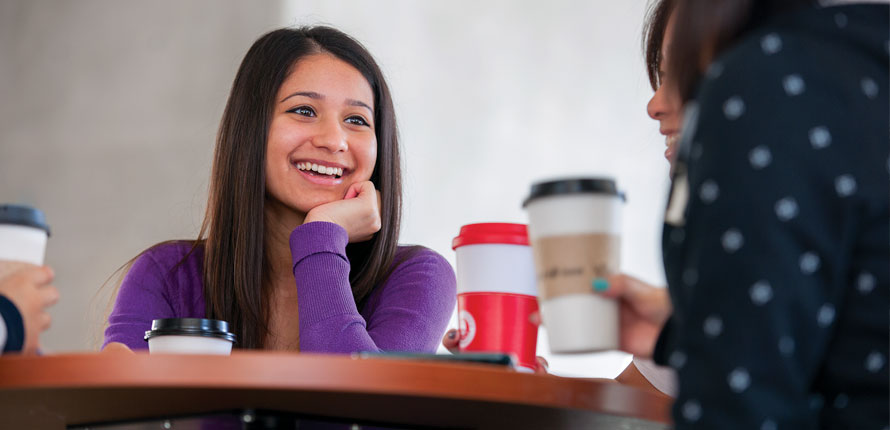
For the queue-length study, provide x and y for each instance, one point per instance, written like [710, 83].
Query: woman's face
[665, 105]
[322, 137]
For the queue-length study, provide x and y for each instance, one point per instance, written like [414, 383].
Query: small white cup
[189, 336]
[23, 234]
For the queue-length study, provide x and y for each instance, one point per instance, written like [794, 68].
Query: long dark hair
[654, 29]
[236, 287]
[705, 28]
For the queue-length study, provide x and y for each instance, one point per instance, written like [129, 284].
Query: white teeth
[324, 170]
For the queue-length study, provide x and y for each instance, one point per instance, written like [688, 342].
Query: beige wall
[108, 111]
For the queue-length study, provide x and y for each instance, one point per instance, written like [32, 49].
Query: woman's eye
[303, 110]
[357, 120]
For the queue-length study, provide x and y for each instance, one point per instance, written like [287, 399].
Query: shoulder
[814, 48]
[166, 258]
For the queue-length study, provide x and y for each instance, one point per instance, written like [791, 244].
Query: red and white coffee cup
[496, 291]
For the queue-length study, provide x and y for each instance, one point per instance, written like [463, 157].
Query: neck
[280, 222]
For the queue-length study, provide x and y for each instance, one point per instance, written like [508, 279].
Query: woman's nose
[657, 108]
[331, 136]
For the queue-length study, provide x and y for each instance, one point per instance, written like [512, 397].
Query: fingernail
[600, 284]
[451, 334]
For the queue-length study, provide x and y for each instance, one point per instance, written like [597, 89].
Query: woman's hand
[451, 340]
[29, 288]
[643, 311]
[358, 213]
[116, 348]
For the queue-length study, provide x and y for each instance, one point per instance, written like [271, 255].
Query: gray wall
[108, 111]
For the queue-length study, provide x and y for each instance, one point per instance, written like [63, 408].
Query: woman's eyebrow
[359, 103]
[316, 96]
[310, 94]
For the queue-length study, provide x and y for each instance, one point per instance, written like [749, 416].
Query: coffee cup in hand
[575, 233]
[23, 237]
[189, 336]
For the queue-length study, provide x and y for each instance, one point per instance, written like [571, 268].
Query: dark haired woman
[776, 233]
[298, 250]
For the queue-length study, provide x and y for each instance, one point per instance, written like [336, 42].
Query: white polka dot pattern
[713, 326]
[739, 380]
[809, 263]
[761, 293]
[820, 137]
[865, 283]
[732, 240]
[714, 70]
[760, 157]
[677, 359]
[709, 191]
[845, 185]
[874, 362]
[869, 88]
[841, 20]
[733, 108]
[771, 44]
[786, 346]
[825, 316]
[691, 411]
[793, 85]
[786, 209]
[678, 235]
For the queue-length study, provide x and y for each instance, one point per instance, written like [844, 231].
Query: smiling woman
[299, 246]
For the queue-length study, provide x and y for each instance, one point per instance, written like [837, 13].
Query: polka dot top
[777, 232]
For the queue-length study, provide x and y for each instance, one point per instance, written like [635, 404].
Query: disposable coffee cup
[496, 292]
[189, 336]
[23, 234]
[575, 232]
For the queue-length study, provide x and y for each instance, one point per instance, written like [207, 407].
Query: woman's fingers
[451, 341]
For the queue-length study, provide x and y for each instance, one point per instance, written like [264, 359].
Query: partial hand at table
[451, 340]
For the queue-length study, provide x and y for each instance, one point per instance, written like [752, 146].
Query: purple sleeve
[409, 313]
[142, 297]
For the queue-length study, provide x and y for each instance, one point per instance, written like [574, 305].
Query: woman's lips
[671, 142]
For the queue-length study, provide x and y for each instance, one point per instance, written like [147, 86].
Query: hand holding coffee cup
[643, 311]
[23, 237]
[30, 290]
[574, 228]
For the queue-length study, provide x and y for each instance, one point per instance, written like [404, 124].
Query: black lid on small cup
[23, 215]
[560, 187]
[190, 327]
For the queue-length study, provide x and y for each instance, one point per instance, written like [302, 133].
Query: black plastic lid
[573, 186]
[190, 327]
[23, 215]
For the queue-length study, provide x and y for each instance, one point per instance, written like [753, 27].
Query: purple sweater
[407, 312]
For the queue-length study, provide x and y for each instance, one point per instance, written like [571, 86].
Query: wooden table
[77, 389]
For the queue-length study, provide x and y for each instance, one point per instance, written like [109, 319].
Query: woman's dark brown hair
[705, 28]
[236, 288]
[653, 35]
